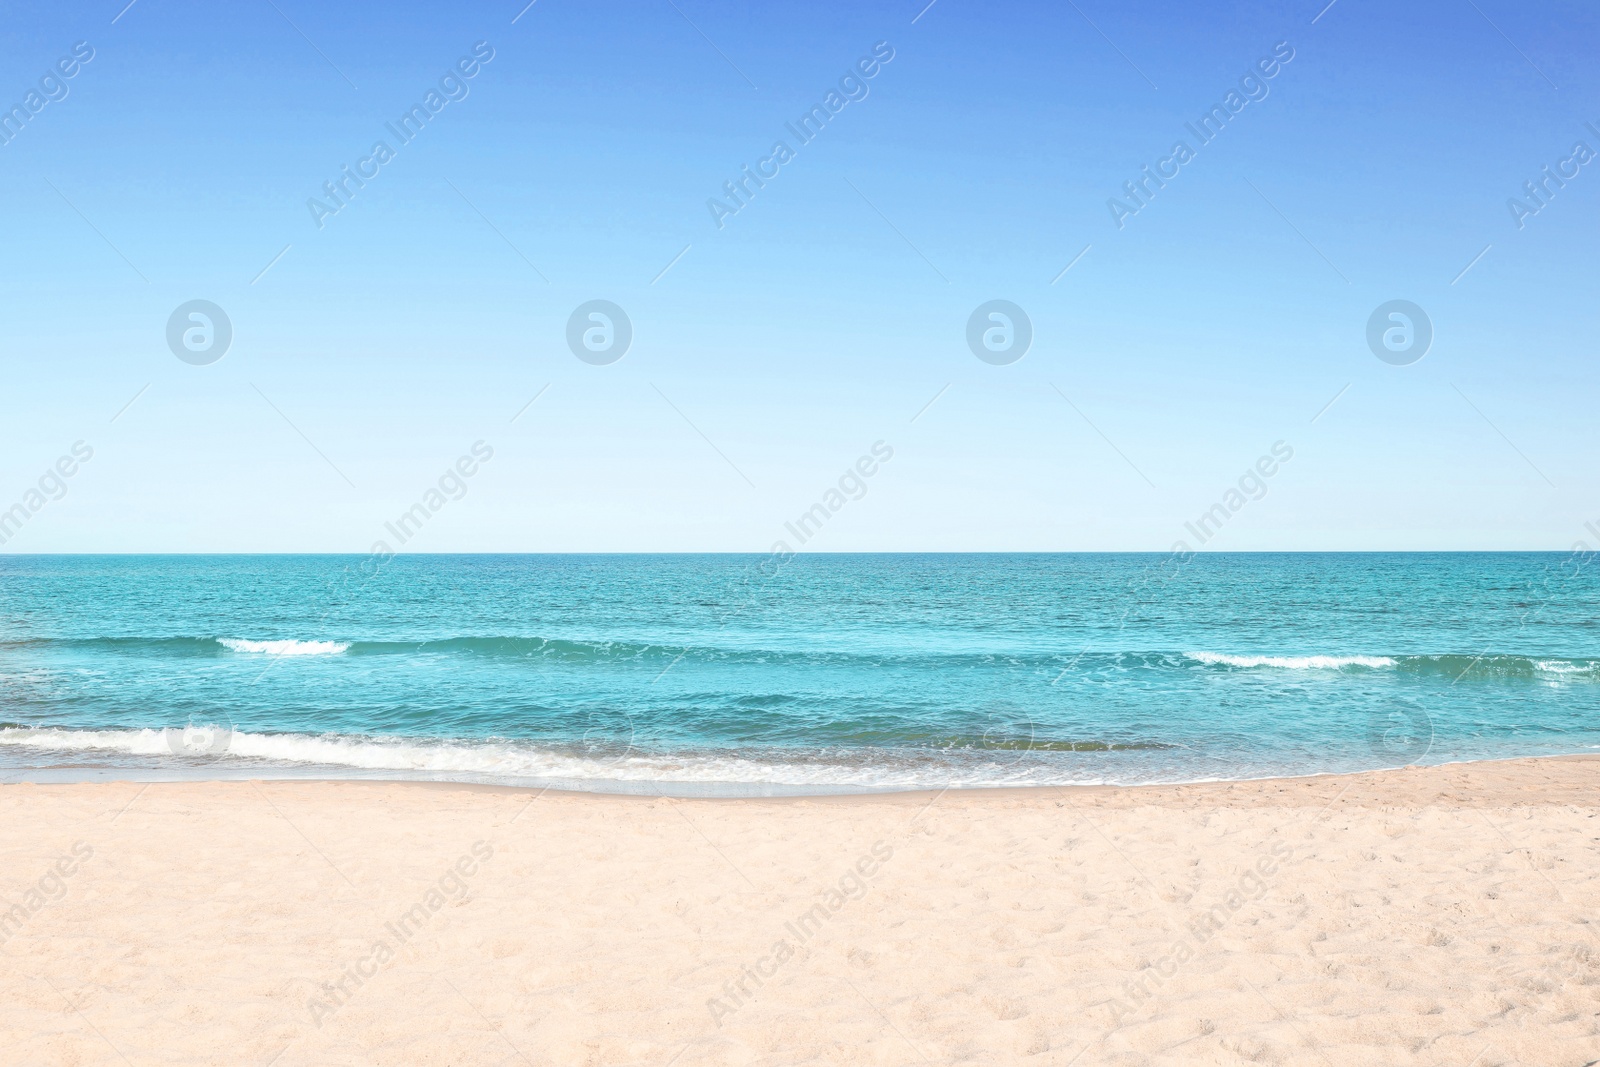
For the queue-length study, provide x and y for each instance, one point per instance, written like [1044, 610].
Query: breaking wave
[285, 648]
[961, 763]
[1291, 663]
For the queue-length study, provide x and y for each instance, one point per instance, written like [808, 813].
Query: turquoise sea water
[742, 674]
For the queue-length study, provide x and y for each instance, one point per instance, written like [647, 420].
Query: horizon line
[859, 552]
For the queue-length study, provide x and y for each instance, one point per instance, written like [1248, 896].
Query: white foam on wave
[285, 648]
[133, 742]
[1556, 666]
[511, 761]
[1292, 663]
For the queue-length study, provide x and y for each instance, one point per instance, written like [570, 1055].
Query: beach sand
[1419, 916]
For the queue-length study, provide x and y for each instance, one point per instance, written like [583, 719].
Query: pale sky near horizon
[1172, 347]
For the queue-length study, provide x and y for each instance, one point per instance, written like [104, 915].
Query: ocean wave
[1467, 668]
[962, 765]
[288, 647]
[1292, 663]
[1455, 667]
[132, 742]
[546, 647]
[716, 650]
[1557, 666]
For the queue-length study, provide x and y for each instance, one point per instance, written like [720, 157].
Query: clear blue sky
[825, 314]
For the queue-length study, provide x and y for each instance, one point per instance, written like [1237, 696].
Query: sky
[971, 153]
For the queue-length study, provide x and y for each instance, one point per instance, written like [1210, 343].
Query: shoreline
[642, 789]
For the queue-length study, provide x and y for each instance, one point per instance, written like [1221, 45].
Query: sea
[730, 675]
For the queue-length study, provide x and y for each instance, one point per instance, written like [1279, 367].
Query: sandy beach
[1418, 916]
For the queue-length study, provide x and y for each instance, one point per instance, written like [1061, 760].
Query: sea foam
[1292, 663]
[286, 647]
[510, 762]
